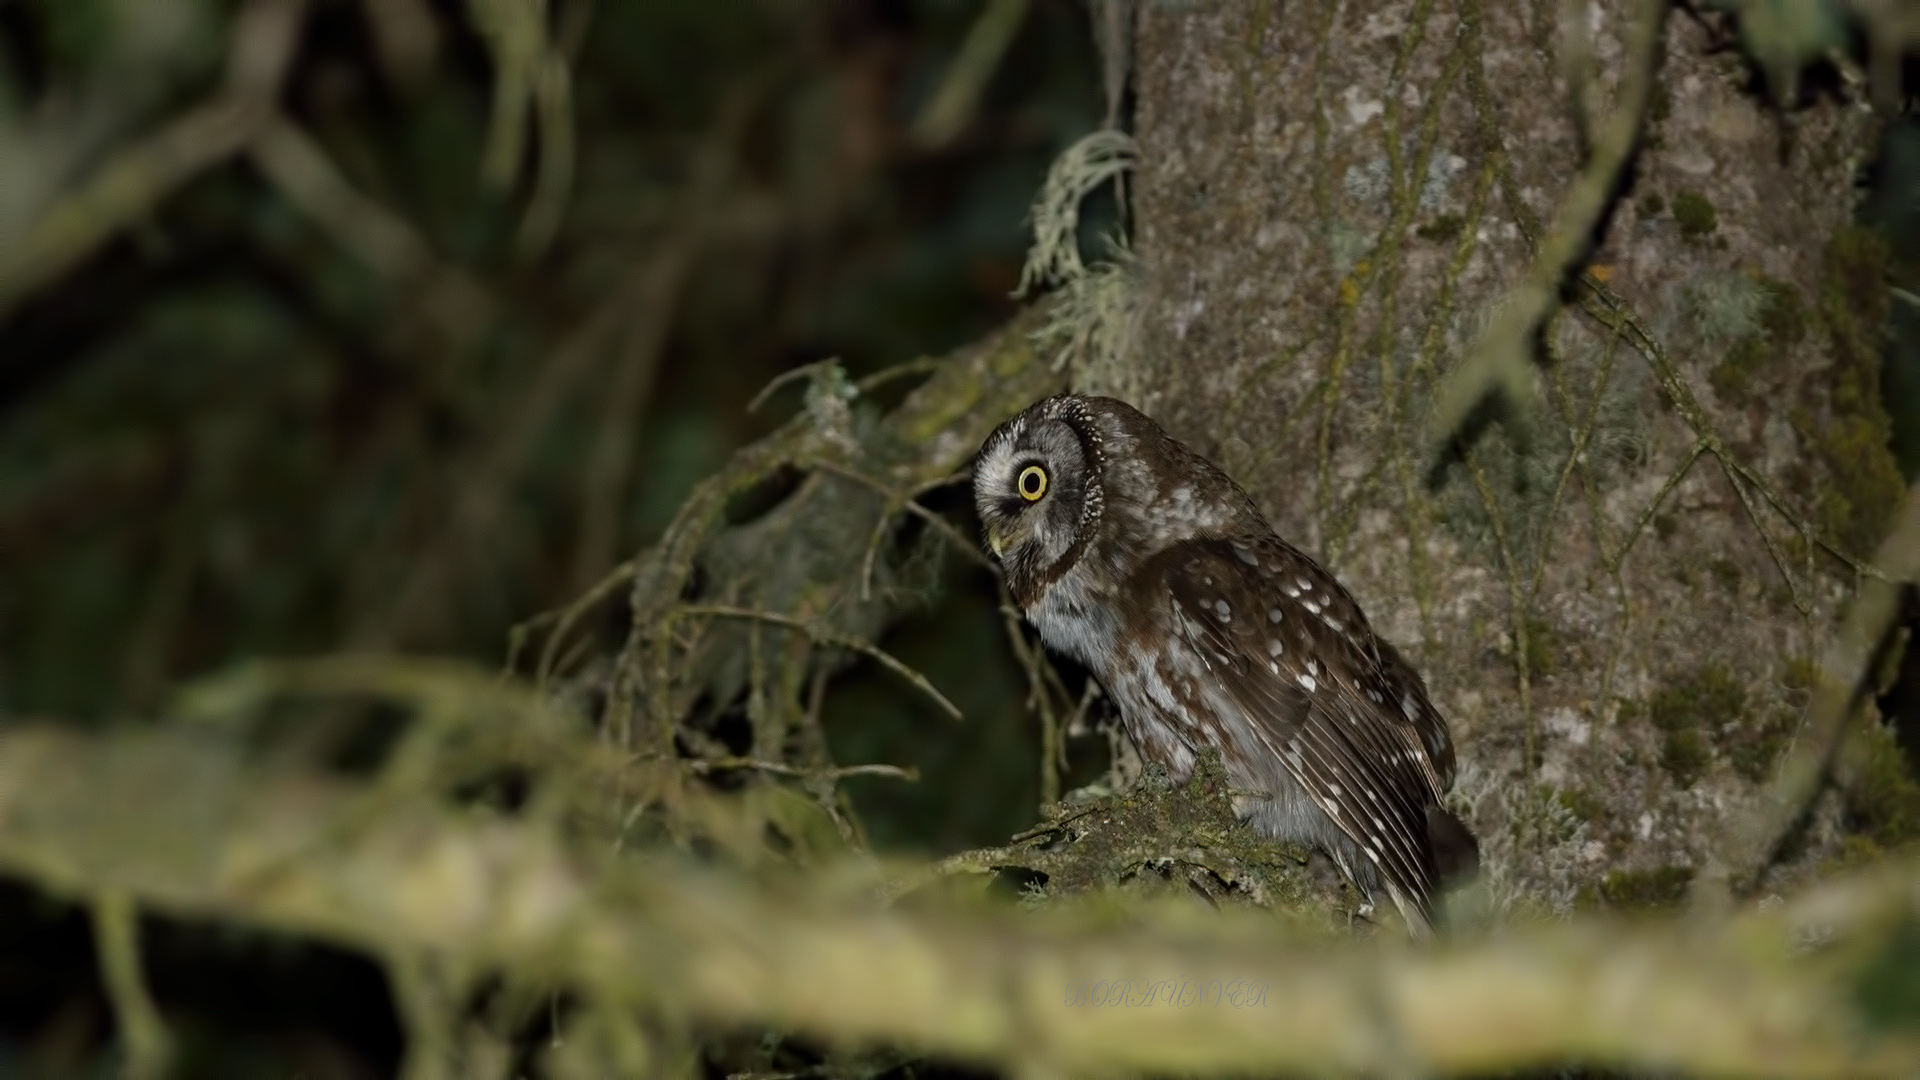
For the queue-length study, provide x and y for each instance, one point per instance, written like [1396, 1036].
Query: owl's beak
[996, 540]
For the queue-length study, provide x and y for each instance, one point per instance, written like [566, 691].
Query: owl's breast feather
[1078, 620]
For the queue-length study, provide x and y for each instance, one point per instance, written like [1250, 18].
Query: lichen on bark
[1330, 200]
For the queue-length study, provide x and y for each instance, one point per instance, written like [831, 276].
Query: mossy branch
[663, 937]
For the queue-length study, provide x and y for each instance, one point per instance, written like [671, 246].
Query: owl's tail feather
[1456, 854]
[1412, 911]
[1419, 921]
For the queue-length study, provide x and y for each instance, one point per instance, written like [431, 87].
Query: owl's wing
[1293, 652]
[1422, 726]
[1402, 693]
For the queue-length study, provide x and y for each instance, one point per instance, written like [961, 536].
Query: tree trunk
[1614, 601]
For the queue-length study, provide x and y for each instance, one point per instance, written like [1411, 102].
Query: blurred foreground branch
[182, 824]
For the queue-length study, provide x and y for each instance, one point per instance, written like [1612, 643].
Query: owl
[1138, 558]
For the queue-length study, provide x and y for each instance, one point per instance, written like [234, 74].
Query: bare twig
[619, 576]
[804, 371]
[829, 637]
[896, 501]
[708, 765]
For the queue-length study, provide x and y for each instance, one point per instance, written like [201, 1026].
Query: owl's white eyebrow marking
[1273, 615]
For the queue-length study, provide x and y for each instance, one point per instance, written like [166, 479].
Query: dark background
[224, 436]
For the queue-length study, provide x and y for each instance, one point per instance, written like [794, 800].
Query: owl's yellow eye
[1032, 483]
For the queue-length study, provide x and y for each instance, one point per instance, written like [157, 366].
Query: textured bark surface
[1332, 197]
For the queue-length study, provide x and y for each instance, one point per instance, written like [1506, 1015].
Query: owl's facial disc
[1029, 486]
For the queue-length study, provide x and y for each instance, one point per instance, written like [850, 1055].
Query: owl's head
[1038, 487]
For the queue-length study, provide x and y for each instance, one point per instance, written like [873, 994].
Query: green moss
[1886, 988]
[1646, 890]
[1711, 700]
[1684, 754]
[1881, 798]
[1778, 322]
[1800, 673]
[1726, 572]
[1753, 750]
[1585, 805]
[1545, 817]
[1694, 214]
[1167, 839]
[1785, 316]
[1544, 647]
[1855, 851]
[1712, 697]
[1732, 377]
[1442, 229]
[1854, 440]
[1660, 105]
